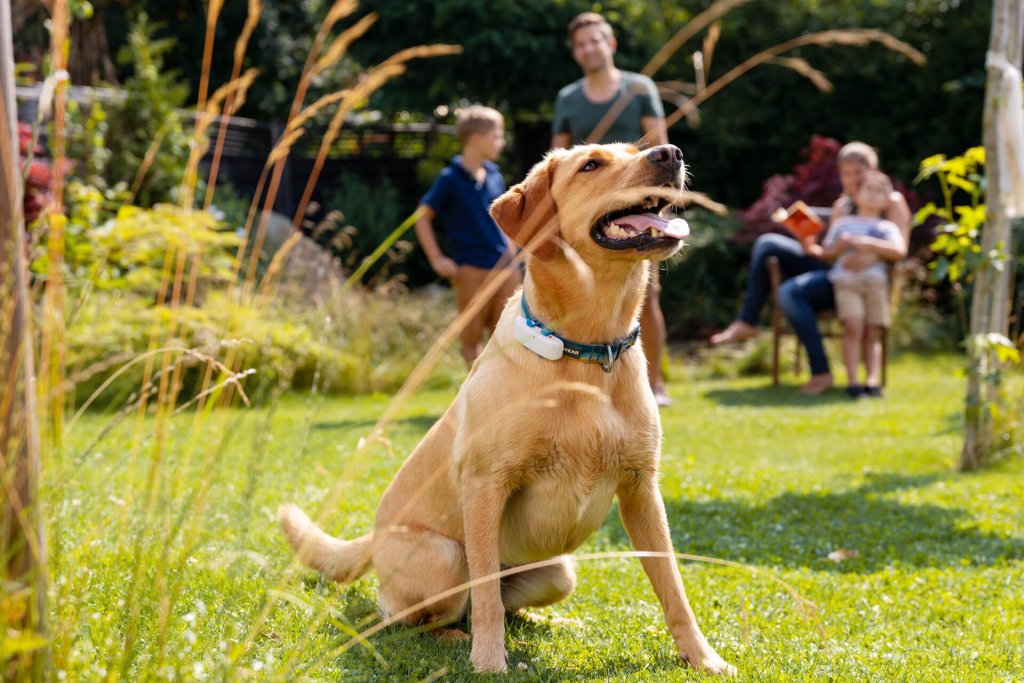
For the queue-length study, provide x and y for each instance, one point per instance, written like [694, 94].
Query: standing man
[610, 105]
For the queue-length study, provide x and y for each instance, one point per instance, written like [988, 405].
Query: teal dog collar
[536, 336]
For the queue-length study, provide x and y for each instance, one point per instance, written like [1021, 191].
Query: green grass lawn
[166, 560]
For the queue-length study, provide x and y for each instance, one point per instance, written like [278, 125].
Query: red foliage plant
[40, 175]
[815, 182]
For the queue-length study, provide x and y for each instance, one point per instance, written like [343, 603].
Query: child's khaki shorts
[864, 299]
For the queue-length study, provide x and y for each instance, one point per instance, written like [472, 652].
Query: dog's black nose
[669, 156]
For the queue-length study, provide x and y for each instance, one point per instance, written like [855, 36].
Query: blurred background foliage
[764, 140]
[515, 58]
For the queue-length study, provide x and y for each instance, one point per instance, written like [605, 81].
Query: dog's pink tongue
[642, 222]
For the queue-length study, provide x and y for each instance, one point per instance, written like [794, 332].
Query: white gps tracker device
[545, 346]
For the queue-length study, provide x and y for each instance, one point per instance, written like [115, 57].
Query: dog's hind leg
[416, 566]
[539, 587]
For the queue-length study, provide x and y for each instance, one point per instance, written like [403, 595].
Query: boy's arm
[442, 265]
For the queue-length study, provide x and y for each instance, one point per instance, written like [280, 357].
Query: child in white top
[862, 295]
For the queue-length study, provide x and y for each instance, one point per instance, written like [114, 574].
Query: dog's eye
[591, 165]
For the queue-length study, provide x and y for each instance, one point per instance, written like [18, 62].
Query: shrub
[361, 216]
[815, 182]
[38, 177]
[127, 253]
[362, 342]
[148, 117]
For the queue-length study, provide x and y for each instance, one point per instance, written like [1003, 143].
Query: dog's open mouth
[647, 225]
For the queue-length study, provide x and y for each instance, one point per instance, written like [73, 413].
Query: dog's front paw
[704, 658]
[487, 659]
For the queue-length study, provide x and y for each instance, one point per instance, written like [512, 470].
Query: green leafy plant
[957, 247]
[959, 256]
[128, 253]
[146, 139]
[363, 214]
[962, 212]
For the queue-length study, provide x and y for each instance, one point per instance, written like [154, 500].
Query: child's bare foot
[736, 332]
[818, 384]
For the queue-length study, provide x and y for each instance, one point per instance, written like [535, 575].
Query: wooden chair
[828, 323]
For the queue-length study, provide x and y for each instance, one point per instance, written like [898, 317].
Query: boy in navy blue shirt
[461, 197]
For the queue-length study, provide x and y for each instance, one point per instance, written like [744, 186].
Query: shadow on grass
[419, 423]
[607, 665]
[604, 665]
[800, 529]
[774, 397]
[413, 653]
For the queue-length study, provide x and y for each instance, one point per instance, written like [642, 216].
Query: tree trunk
[22, 549]
[990, 302]
[90, 62]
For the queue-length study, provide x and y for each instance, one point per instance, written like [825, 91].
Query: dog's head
[614, 199]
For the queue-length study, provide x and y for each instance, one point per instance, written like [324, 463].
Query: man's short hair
[858, 153]
[476, 119]
[588, 19]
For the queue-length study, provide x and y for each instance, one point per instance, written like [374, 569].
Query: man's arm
[898, 212]
[655, 131]
[442, 265]
[561, 141]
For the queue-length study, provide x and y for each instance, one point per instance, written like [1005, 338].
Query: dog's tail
[338, 560]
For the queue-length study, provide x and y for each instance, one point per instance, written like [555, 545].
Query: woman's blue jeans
[800, 298]
[806, 289]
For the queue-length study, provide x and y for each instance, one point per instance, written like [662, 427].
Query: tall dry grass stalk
[840, 37]
[255, 9]
[52, 352]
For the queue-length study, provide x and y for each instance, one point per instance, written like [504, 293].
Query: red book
[799, 218]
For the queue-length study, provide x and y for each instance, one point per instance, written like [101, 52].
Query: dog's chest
[563, 498]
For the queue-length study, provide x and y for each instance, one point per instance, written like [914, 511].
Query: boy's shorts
[867, 300]
[467, 282]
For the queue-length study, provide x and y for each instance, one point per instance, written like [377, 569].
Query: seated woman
[807, 289]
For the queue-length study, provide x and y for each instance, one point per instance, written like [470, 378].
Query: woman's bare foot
[736, 332]
[818, 384]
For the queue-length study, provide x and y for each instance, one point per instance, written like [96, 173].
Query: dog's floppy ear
[527, 212]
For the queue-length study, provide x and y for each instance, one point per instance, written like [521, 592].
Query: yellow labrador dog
[555, 419]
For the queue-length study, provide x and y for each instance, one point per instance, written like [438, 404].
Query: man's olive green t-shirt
[578, 116]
